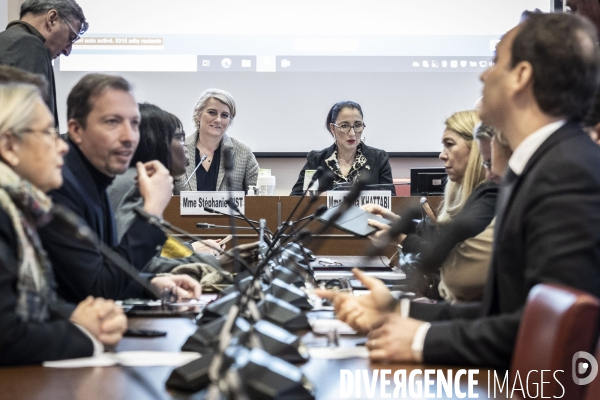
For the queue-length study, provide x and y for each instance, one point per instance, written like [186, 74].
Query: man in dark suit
[103, 120]
[548, 225]
[46, 29]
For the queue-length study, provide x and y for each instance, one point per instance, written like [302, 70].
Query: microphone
[213, 211]
[194, 171]
[318, 212]
[76, 226]
[203, 225]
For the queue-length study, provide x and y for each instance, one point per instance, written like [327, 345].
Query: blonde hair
[217, 94]
[17, 105]
[456, 193]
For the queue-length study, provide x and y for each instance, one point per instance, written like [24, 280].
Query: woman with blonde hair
[466, 191]
[35, 325]
[214, 112]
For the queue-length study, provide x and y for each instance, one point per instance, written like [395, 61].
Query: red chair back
[557, 323]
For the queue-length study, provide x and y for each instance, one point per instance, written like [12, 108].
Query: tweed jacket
[245, 166]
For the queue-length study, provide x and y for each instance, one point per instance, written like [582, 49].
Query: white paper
[324, 326]
[128, 359]
[337, 353]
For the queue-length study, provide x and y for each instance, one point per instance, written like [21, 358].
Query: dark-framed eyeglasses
[345, 127]
[180, 137]
[84, 28]
[487, 164]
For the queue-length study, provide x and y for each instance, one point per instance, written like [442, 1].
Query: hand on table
[362, 312]
[208, 246]
[391, 339]
[185, 286]
[102, 319]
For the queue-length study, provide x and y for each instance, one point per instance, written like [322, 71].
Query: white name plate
[193, 203]
[382, 198]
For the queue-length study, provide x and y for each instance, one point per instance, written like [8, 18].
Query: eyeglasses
[487, 164]
[345, 127]
[84, 28]
[50, 132]
[180, 137]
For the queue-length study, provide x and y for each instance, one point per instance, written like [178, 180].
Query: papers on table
[337, 353]
[324, 326]
[128, 359]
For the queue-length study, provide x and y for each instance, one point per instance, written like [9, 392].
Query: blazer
[549, 232]
[378, 164]
[124, 196]
[22, 46]
[26, 342]
[80, 268]
[245, 166]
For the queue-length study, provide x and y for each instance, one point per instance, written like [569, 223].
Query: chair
[557, 322]
[592, 391]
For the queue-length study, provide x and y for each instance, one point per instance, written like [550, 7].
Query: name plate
[382, 198]
[193, 203]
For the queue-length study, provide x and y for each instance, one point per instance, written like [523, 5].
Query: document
[128, 359]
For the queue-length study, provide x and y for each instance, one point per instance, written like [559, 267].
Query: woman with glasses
[35, 325]
[213, 114]
[348, 156]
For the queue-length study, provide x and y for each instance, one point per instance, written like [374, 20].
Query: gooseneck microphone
[194, 171]
[204, 225]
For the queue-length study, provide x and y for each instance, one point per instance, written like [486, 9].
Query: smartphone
[144, 333]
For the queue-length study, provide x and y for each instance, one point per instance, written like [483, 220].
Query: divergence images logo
[582, 367]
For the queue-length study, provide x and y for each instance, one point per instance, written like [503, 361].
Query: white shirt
[517, 163]
[525, 150]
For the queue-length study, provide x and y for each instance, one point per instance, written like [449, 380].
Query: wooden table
[36, 382]
[276, 209]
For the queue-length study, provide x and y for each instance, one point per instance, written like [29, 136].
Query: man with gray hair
[46, 29]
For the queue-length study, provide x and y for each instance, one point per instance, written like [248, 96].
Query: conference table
[111, 383]
[275, 210]
[37, 382]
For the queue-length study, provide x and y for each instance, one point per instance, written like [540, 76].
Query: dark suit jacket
[378, 165]
[23, 342]
[80, 268]
[549, 233]
[22, 46]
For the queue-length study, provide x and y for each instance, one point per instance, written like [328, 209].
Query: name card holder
[193, 203]
[382, 198]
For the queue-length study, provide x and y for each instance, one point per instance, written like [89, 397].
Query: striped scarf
[28, 208]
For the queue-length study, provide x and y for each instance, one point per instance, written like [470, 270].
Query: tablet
[353, 221]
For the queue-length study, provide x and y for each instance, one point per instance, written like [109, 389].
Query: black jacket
[22, 46]
[80, 269]
[549, 232]
[479, 209]
[23, 342]
[378, 165]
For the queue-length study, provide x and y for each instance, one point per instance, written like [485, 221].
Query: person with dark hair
[103, 135]
[348, 156]
[547, 212]
[161, 139]
[46, 29]
[591, 122]
[158, 129]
